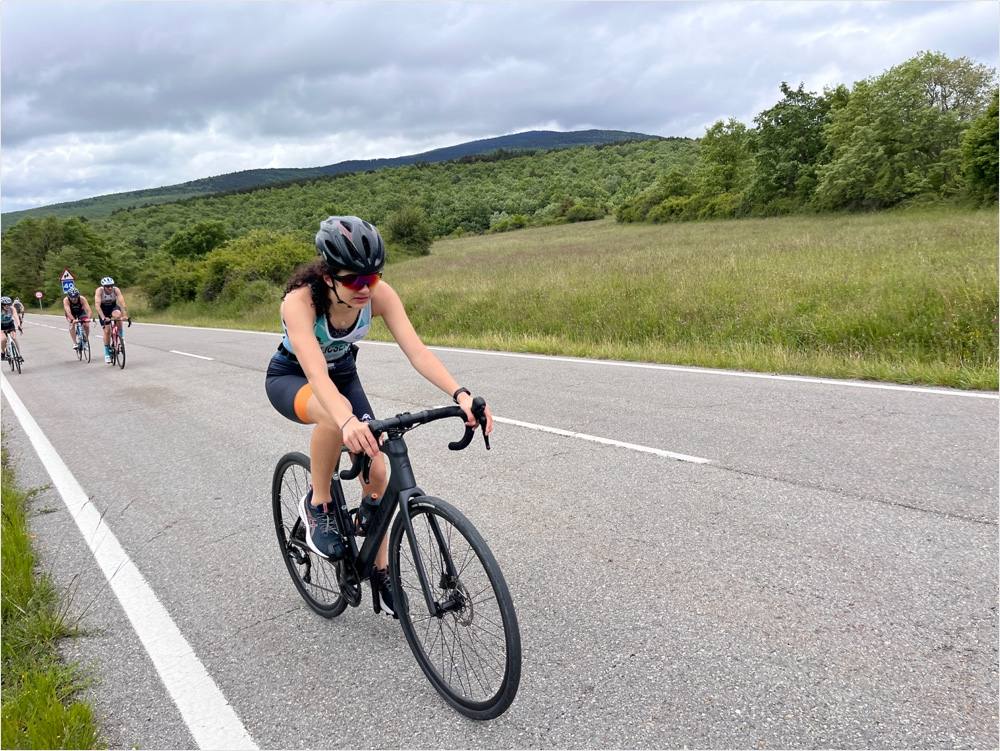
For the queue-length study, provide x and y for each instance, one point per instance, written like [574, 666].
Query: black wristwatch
[462, 390]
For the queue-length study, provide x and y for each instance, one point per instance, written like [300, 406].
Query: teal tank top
[335, 347]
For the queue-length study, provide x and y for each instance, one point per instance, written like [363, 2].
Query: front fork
[449, 577]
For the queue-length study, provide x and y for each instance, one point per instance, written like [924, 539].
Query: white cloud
[113, 96]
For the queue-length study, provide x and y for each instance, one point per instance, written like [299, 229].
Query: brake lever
[479, 412]
[356, 464]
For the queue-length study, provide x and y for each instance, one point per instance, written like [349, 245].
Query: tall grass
[38, 708]
[907, 296]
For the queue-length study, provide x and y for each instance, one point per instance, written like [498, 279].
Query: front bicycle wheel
[470, 650]
[86, 348]
[121, 353]
[16, 352]
[79, 346]
[314, 577]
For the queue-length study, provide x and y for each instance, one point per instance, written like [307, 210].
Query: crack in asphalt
[853, 494]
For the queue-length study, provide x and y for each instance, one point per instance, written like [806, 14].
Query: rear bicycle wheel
[470, 650]
[314, 577]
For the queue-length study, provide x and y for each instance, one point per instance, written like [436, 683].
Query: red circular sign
[38, 295]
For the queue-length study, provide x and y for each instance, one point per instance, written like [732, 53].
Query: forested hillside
[100, 206]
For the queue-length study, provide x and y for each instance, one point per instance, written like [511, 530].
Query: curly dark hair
[311, 275]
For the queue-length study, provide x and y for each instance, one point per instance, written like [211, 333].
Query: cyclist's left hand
[465, 402]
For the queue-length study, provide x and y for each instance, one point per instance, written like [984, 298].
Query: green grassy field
[906, 296]
[38, 707]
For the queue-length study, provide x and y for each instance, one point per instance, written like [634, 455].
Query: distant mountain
[540, 140]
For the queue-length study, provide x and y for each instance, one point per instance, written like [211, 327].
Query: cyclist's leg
[116, 315]
[324, 444]
[72, 333]
[350, 386]
[86, 328]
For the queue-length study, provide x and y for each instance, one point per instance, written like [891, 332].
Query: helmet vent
[330, 246]
[353, 250]
[366, 243]
[347, 225]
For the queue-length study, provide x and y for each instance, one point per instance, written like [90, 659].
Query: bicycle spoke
[467, 662]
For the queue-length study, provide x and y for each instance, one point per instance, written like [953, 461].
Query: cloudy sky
[102, 97]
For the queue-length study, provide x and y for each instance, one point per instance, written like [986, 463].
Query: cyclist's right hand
[358, 438]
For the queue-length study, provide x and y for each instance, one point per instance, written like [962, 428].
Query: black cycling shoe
[383, 590]
[322, 535]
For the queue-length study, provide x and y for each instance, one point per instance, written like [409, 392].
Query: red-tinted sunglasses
[356, 282]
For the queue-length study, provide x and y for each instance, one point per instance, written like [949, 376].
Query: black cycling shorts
[288, 388]
[107, 310]
[8, 327]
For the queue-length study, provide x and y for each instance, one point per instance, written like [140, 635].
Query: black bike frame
[401, 488]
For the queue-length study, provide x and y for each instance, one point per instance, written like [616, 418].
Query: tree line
[923, 130]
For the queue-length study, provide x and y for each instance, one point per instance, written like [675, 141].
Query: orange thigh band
[301, 403]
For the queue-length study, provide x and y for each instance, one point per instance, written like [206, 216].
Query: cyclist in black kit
[75, 306]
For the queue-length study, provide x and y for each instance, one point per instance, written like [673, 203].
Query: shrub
[409, 231]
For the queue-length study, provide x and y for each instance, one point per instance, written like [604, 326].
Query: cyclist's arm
[66, 311]
[121, 302]
[386, 303]
[300, 317]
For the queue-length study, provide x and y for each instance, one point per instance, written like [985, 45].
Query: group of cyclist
[108, 299]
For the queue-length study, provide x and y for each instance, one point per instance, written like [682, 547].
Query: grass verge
[38, 706]
[906, 296]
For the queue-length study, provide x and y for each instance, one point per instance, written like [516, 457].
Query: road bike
[117, 342]
[82, 340]
[13, 353]
[451, 598]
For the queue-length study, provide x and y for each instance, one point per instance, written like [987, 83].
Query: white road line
[188, 354]
[648, 366]
[212, 721]
[606, 441]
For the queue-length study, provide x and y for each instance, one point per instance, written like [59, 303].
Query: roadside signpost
[66, 280]
[38, 296]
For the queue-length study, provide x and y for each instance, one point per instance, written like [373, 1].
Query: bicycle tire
[121, 353]
[79, 347]
[10, 355]
[86, 347]
[17, 357]
[287, 487]
[492, 601]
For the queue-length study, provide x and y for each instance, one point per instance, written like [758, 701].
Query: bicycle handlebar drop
[405, 421]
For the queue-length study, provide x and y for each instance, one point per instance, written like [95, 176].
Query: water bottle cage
[364, 515]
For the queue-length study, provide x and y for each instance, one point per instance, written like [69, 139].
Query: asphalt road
[827, 579]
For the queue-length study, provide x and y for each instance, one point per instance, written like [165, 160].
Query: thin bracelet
[352, 417]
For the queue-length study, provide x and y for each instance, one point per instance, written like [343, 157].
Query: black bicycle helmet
[350, 244]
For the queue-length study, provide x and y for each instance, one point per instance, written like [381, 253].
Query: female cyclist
[329, 305]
